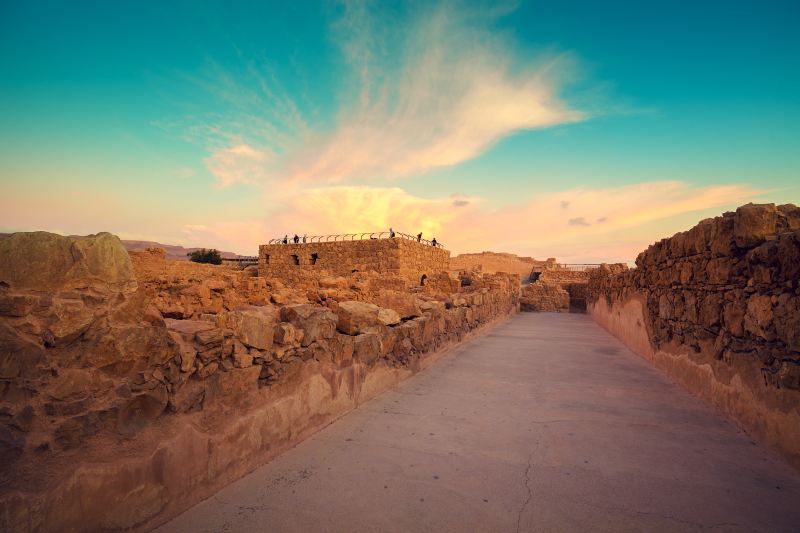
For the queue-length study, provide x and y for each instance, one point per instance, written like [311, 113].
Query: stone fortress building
[399, 256]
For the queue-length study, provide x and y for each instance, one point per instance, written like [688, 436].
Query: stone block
[753, 223]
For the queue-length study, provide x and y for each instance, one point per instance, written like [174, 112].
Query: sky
[579, 130]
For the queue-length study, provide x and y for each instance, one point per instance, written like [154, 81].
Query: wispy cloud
[578, 221]
[434, 92]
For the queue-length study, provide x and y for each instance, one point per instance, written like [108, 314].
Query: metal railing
[579, 267]
[353, 237]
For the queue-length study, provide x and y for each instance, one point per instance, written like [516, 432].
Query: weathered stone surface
[753, 223]
[367, 348]
[388, 317]
[97, 261]
[75, 384]
[361, 317]
[541, 296]
[255, 326]
[400, 258]
[404, 304]
[140, 410]
[315, 321]
[19, 357]
[726, 293]
[286, 333]
[233, 386]
[188, 397]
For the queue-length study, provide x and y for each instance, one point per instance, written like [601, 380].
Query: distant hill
[172, 251]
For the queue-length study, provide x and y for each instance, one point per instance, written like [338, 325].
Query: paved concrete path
[546, 423]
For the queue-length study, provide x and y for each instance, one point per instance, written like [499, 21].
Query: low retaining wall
[717, 308]
[177, 463]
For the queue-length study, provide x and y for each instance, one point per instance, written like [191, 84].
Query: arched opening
[296, 259]
[314, 258]
[423, 280]
[266, 259]
[535, 276]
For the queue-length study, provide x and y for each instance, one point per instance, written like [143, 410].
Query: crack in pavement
[528, 488]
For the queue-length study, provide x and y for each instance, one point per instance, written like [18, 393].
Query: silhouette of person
[391, 233]
[296, 238]
[419, 237]
[286, 240]
[434, 243]
[304, 238]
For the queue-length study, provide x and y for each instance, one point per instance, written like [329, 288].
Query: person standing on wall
[419, 237]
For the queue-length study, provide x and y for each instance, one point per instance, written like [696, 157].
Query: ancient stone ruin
[141, 385]
[717, 309]
[133, 386]
[400, 257]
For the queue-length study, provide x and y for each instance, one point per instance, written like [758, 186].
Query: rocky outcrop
[75, 336]
[717, 307]
[45, 262]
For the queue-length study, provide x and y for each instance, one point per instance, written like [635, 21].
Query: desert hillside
[176, 253]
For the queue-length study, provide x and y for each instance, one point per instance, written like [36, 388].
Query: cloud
[238, 164]
[460, 203]
[432, 93]
[564, 204]
[579, 221]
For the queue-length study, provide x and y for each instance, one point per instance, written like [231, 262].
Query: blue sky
[581, 130]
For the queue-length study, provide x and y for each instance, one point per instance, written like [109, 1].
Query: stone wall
[718, 309]
[562, 276]
[396, 257]
[115, 417]
[544, 297]
[500, 262]
[572, 281]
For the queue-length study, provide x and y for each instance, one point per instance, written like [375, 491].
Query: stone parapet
[718, 308]
[124, 401]
[403, 258]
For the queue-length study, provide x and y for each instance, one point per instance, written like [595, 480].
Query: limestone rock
[361, 317]
[140, 410]
[753, 223]
[315, 321]
[63, 263]
[545, 297]
[254, 326]
[388, 317]
[367, 348]
[19, 357]
[286, 333]
[405, 304]
[188, 397]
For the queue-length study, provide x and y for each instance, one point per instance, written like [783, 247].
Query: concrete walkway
[546, 423]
